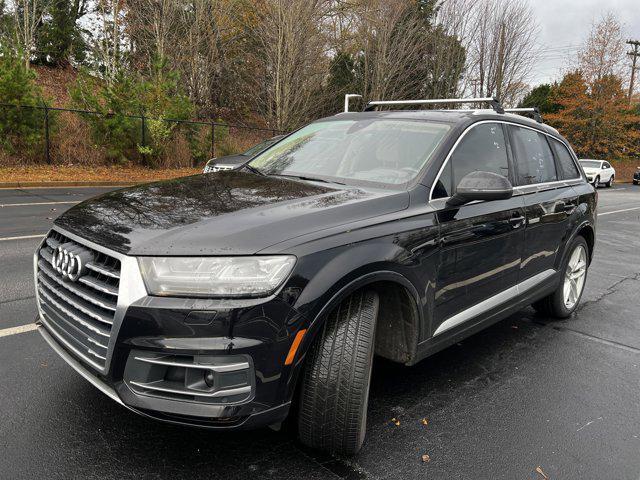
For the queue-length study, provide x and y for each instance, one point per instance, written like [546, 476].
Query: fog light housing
[226, 379]
[209, 378]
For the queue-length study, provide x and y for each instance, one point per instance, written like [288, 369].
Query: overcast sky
[564, 24]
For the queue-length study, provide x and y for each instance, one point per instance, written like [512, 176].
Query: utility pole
[635, 54]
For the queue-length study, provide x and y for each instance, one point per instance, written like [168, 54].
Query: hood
[590, 170]
[223, 213]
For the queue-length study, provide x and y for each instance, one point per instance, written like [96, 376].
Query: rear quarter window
[568, 167]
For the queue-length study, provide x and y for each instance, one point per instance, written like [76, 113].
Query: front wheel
[335, 385]
[596, 182]
[565, 299]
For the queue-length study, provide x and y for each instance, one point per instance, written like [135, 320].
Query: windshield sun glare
[383, 151]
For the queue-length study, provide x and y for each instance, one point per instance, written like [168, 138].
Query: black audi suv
[220, 300]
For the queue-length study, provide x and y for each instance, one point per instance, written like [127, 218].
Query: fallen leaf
[426, 458]
[425, 421]
[539, 470]
[395, 421]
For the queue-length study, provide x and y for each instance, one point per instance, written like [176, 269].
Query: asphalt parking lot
[526, 398]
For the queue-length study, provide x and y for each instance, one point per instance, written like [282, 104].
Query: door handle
[516, 221]
[566, 207]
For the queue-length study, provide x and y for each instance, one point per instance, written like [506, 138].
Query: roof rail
[493, 101]
[534, 110]
[347, 97]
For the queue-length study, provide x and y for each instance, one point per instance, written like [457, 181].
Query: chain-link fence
[52, 135]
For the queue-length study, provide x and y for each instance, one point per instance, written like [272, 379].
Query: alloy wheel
[574, 277]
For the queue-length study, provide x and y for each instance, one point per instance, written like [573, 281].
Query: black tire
[596, 182]
[610, 182]
[335, 385]
[553, 305]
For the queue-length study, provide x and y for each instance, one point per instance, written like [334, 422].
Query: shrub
[122, 102]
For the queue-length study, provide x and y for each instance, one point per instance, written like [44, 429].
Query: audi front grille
[78, 293]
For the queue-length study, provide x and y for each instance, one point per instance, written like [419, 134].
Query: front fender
[340, 276]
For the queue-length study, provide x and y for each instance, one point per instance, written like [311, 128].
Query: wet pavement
[526, 397]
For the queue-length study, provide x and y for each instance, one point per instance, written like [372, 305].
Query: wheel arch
[400, 347]
[399, 320]
[584, 229]
[587, 231]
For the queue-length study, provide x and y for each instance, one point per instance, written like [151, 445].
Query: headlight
[215, 276]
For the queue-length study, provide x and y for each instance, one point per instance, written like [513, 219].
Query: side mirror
[481, 186]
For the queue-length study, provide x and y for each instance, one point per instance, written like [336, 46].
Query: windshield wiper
[253, 170]
[310, 179]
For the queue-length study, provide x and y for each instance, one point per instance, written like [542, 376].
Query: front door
[481, 242]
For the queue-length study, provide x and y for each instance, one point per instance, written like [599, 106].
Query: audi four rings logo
[70, 261]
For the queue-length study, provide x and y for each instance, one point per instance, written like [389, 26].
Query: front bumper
[268, 416]
[202, 362]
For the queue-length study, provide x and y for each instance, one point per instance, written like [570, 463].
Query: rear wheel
[335, 385]
[610, 182]
[565, 299]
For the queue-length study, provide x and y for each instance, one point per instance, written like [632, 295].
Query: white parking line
[5, 332]
[2, 205]
[619, 211]
[24, 237]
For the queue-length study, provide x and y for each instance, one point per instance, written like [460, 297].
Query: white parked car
[598, 172]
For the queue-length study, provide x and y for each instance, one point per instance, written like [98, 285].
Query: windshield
[590, 163]
[383, 151]
[259, 147]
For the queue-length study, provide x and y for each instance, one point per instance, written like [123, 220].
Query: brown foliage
[595, 116]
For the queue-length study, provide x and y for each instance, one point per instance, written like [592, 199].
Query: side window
[565, 160]
[481, 149]
[533, 156]
[606, 165]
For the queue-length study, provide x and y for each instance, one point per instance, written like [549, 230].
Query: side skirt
[487, 313]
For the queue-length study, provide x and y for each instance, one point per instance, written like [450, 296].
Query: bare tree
[603, 51]
[457, 20]
[152, 25]
[27, 17]
[502, 51]
[108, 41]
[290, 52]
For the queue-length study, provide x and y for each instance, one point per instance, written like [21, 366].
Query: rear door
[481, 241]
[548, 199]
[607, 171]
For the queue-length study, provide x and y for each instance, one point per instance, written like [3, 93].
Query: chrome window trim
[516, 188]
[494, 301]
[131, 289]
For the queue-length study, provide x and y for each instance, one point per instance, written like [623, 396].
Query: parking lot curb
[69, 184]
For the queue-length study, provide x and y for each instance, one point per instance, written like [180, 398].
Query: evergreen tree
[540, 97]
[19, 126]
[59, 40]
